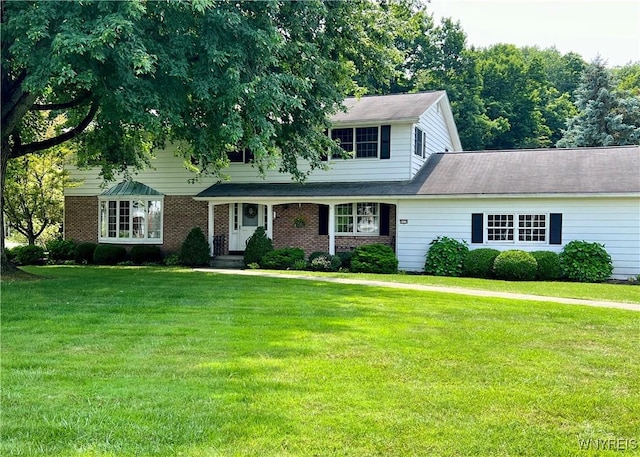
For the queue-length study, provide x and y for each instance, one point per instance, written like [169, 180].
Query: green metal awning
[130, 188]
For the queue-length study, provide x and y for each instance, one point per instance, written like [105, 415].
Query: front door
[250, 217]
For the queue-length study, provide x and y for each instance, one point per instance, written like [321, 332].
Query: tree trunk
[5, 265]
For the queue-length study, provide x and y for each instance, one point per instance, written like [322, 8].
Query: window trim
[354, 216]
[131, 199]
[419, 133]
[517, 229]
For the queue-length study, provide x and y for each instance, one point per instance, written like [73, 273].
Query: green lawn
[100, 361]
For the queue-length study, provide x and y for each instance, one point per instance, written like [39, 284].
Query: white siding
[169, 176]
[614, 222]
[438, 136]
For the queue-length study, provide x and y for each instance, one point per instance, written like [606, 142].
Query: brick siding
[181, 214]
[81, 219]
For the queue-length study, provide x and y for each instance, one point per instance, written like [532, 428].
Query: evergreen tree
[605, 117]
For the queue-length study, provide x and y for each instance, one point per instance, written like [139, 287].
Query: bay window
[131, 220]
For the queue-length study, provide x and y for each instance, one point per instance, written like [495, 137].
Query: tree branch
[66, 105]
[23, 149]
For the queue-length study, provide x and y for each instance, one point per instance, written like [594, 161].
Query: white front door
[251, 216]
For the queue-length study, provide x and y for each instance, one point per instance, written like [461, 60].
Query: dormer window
[364, 142]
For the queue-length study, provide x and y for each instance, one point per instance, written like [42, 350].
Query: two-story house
[406, 183]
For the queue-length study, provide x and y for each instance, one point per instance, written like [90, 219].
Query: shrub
[11, 254]
[585, 262]
[172, 260]
[345, 258]
[28, 255]
[195, 249]
[257, 246]
[445, 256]
[299, 265]
[515, 265]
[548, 265]
[282, 259]
[374, 258]
[109, 254]
[479, 263]
[325, 262]
[143, 253]
[316, 254]
[84, 252]
[60, 249]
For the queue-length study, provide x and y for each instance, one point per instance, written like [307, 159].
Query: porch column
[270, 220]
[210, 227]
[332, 229]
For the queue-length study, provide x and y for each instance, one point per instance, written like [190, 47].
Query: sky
[608, 28]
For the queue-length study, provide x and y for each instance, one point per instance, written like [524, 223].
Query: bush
[548, 265]
[345, 258]
[445, 256]
[28, 255]
[316, 254]
[282, 259]
[325, 262]
[515, 265]
[479, 263]
[257, 246]
[195, 249]
[585, 262]
[84, 252]
[11, 254]
[142, 253]
[172, 260]
[374, 258]
[60, 249]
[109, 254]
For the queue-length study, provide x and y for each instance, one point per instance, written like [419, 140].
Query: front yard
[100, 361]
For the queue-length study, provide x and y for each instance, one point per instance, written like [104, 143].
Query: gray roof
[536, 171]
[131, 188]
[387, 108]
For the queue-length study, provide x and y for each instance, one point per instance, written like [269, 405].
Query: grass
[100, 361]
[625, 293]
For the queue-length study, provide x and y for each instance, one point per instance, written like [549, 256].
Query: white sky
[609, 28]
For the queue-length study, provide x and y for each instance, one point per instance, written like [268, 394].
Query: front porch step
[228, 262]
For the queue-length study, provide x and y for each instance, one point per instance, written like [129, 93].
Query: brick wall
[81, 218]
[285, 234]
[181, 214]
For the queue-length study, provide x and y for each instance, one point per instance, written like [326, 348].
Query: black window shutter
[477, 229]
[385, 212]
[248, 156]
[555, 228]
[323, 220]
[385, 142]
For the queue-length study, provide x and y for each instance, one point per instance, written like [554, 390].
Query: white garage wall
[612, 221]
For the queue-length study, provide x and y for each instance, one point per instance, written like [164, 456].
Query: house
[407, 183]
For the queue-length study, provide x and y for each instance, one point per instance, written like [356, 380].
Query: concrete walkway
[448, 290]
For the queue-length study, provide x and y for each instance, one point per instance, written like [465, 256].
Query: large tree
[606, 117]
[212, 75]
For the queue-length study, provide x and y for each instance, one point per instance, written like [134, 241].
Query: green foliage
[515, 265]
[345, 258]
[445, 257]
[282, 259]
[374, 258]
[60, 249]
[300, 265]
[548, 265]
[30, 254]
[144, 253]
[605, 118]
[585, 262]
[324, 262]
[195, 249]
[172, 260]
[84, 252]
[109, 254]
[478, 263]
[257, 246]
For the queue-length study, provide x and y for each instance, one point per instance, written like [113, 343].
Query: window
[529, 228]
[136, 219]
[420, 143]
[364, 141]
[357, 219]
[241, 156]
